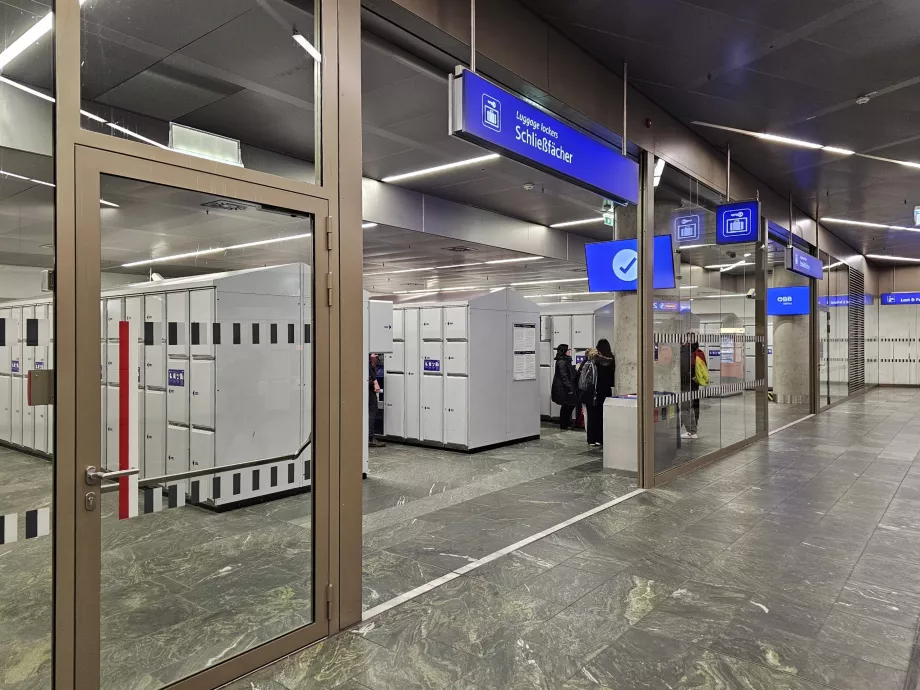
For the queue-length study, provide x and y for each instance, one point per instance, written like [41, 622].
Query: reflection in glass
[235, 81]
[208, 300]
[26, 342]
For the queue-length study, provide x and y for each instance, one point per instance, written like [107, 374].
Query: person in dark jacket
[690, 409]
[564, 392]
[605, 368]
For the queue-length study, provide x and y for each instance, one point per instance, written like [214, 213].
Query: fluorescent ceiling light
[570, 223]
[33, 34]
[461, 289]
[546, 282]
[136, 135]
[475, 263]
[307, 46]
[659, 167]
[835, 149]
[787, 140]
[512, 261]
[885, 257]
[688, 287]
[864, 224]
[42, 182]
[729, 266]
[23, 87]
[9, 174]
[109, 203]
[693, 246]
[570, 294]
[910, 164]
[441, 168]
[747, 255]
[216, 250]
[417, 270]
[368, 225]
[93, 117]
[739, 294]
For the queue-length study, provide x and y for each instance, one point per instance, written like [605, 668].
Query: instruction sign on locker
[432, 365]
[176, 377]
[495, 119]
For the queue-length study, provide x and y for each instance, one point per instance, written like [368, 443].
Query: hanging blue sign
[687, 226]
[680, 307]
[493, 118]
[614, 266]
[432, 365]
[841, 300]
[804, 264]
[895, 298]
[788, 301]
[738, 222]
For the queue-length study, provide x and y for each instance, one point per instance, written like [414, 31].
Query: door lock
[89, 501]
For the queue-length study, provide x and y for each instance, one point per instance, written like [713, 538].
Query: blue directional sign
[688, 226]
[614, 266]
[895, 298]
[804, 264]
[788, 301]
[841, 300]
[493, 118]
[738, 222]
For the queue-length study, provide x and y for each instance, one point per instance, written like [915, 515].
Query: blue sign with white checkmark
[614, 266]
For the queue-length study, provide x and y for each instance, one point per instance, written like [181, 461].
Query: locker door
[141, 418]
[546, 328]
[396, 360]
[456, 357]
[545, 352]
[413, 361]
[582, 331]
[40, 441]
[201, 311]
[432, 356]
[394, 391]
[177, 324]
[154, 433]
[112, 418]
[111, 363]
[134, 312]
[28, 417]
[114, 313]
[433, 408]
[16, 416]
[50, 428]
[399, 330]
[155, 366]
[177, 389]
[201, 455]
[430, 323]
[455, 408]
[562, 331]
[546, 381]
[380, 326]
[201, 405]
[28, 353]
[6, 408]
[6, 342]
[177, 447]
[456, 323]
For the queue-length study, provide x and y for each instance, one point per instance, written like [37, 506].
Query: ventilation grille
[857, 331]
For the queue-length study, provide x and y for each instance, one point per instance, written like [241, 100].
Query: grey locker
[155, 366]
[134, 313]
[114, 315]
[155, 433]
[399, 331]
[177, 448]
[6, 408]
[16, 413]
[201, 316]
[545, 350]
[201, 405]
[456, 323]
[546, 328]
[201, 455]
[455, 410]
[40, 439]
[413, 374]
[546, 383]
[432, 351]
[562, 331]
[456, 357]
[432, 413]
[582, 331]
[177, 324]
[430, 319]
[112, 418]
[177, 389]
[394, 392]
[396, 360]
[111, 362]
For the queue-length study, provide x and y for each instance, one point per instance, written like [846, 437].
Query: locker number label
[176, 377]
[15, 366]
[432, 365]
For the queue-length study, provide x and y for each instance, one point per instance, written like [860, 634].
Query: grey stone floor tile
[387, 575]
[512, 570]
[427, 665]
[563, 584]
[867, 639]
[881, 603]
[847, 673]
[884, 571]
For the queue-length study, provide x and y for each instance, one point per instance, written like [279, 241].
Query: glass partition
[833, 331]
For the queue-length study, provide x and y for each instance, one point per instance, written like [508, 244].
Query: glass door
[202, 520]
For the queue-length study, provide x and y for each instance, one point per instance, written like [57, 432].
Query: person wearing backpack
[599, 389]
[564, 392]
[695, 371]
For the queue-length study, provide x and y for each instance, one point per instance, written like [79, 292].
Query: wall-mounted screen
[788, 301]
[614, 266]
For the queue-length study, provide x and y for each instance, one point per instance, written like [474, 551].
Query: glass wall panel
[872, 306]
[26, 342]
[230, 80]
[709, 316]
[207, 362]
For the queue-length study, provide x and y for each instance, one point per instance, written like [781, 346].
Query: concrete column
[625, 343]
[791, 342]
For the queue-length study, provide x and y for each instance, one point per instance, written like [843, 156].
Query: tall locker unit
[224, 377]
[576, 324]
[378, 338]
[438, 393]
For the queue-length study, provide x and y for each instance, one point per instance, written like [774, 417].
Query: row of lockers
[434, 410]
[434, 323]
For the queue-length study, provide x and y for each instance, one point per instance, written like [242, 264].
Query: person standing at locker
[564, 392]
[373, 391]
[605, 370]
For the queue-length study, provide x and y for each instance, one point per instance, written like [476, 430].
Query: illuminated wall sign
[687, 226]
[841, 300]
[738, 222]
[804, 264]
[679, 307]
[614, 266]
[788, 301]
[895, 298]
[495, 119]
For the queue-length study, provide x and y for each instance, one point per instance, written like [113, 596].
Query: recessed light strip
[217, 250]
[886, 257]
[865, 224]
[513, 261]
[547, 282]
[571, 223]
[441, 168]
[367, 226]
[300, 40]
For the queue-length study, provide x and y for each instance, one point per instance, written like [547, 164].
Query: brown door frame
[90, 165]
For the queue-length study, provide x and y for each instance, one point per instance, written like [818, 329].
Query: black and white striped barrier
[37, 524]
[707, 392]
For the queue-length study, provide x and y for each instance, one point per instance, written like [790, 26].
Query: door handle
[94, 475]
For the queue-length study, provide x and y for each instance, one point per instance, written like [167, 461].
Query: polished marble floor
[793, 564]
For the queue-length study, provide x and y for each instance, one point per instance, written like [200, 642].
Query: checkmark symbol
[629, 266]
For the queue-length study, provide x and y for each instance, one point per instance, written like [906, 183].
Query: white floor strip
[776, 431]
[462, 570]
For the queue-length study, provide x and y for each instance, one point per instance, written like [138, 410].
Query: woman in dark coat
[603, 389]
[564, 391]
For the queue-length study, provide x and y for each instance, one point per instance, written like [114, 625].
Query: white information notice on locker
[525, 366]
[525, 337]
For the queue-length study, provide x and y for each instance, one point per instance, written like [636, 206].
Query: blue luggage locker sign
[495, 119]
[688, 227]
[432, 365]
[894, 298]
[738, 222]
[176, 377]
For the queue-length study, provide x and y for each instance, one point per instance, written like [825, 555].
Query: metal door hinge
[329, 289]
[328, 233]
[328, 602]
